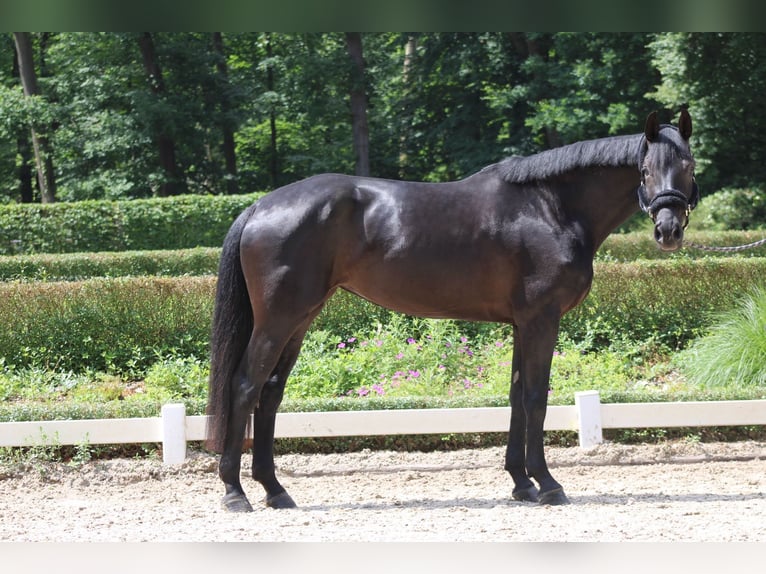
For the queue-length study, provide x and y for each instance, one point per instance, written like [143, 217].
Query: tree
[358, 98]
[174, 179]
[43, 159]
[722, 77]
[228, 147]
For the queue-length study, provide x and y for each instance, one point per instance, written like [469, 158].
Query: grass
[734, 352]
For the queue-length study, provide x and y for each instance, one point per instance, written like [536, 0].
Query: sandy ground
[677, 491]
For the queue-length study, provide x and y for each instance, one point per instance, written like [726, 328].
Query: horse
[513, 243]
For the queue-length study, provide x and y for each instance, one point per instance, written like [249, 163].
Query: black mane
[616, 151]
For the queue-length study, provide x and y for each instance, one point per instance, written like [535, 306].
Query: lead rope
[726, 249]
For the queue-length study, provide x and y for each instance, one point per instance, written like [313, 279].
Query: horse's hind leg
[257, 364]
[265, 419]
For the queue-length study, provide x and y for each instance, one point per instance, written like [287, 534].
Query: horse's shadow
[474, 503]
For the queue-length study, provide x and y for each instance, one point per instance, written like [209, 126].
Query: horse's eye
[644, 172]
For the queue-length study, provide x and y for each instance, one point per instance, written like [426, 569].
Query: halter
[667, 198]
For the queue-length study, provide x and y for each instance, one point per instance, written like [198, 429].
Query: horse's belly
[427, 293]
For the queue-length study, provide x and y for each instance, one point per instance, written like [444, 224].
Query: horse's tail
[231, 331]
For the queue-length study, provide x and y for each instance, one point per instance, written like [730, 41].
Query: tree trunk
[174, 180]
[228, 147]
[43, 159]
[25, 170]
[409, 56]
[359, 105]
[273, 151]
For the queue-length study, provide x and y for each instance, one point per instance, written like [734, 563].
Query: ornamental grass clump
[734, 352]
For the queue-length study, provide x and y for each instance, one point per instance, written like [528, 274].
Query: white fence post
[173, 433]
[588, 405]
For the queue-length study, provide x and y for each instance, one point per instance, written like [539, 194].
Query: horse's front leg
[537, 341]
[515, 454]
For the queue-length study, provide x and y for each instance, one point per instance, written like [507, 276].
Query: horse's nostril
[657, 234]
[677, 233]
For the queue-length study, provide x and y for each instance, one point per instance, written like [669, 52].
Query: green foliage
[735, 209]
[114, 325]
[164, 223]
[720, 76]
[639, 245]
[125, 325]
[661, 305]
[440, 105]
[734, 352]
[79, 266]
[177, 378]
[434, 358]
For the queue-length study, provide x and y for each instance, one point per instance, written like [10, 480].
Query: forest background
[133, 115]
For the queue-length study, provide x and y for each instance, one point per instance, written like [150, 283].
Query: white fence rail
[588, 417]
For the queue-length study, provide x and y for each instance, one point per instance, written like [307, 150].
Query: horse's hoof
[236, 502]
[555, 497]
[528, 494]
[281, 500]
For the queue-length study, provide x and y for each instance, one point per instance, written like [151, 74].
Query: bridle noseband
[666, 198]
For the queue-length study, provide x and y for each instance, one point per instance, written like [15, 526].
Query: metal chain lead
[726, 249]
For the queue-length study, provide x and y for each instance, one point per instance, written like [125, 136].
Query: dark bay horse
[513, 243]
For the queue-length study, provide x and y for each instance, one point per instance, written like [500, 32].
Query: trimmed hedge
[125, 325]
[140, 224]
[641, 245]
[204, 260]
[666, 303]
[114, 325]
[78, 266]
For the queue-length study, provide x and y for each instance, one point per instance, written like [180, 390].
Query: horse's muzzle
[668, 231]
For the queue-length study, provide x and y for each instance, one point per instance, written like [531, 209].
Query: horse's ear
[652, 127]
[685, 124]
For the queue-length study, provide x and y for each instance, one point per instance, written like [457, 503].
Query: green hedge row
[140, 224]
[204, 260]
[78, 266]
[125, 325]
[641, 245]
[142, 407]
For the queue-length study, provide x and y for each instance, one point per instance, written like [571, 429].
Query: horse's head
[668, 191]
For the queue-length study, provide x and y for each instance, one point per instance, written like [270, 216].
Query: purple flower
[363, 391]
[378, 389]
[498, 344]
[341, 345]
[400, 356]
[351, 339]
[414, 374]
[411, 341]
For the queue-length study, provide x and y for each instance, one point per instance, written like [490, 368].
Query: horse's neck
[608, 199]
